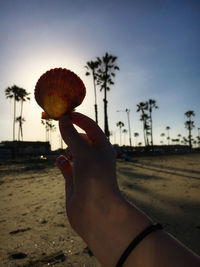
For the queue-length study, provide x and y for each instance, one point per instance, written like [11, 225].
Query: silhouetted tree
[189, 124]
[168, 137]
[136, 136]
[176, 140]
[91, 69]
[124, 132]
[198, 140]
[49, 127]
[198, 136]
[151, 104]
[20, 120]
[105, 75]
[194, 142]
[24, 96]
[162, 135]
[142, 107]
[145, 118]
[120, 124]
[13, 93]
[185, 140]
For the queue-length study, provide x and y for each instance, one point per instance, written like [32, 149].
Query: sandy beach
[34, 230]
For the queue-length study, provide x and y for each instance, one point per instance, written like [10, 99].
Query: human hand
[90, 176]
[96, 209]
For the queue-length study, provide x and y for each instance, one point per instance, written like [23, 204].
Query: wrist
[114, 224]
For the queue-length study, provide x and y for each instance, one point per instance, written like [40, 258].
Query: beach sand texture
[34, 230]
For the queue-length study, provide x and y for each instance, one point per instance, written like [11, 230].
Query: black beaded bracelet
[135, 242]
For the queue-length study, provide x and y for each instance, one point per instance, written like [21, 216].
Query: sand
[34, 230]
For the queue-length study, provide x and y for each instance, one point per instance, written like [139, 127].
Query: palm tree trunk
[106, 129]
[145, 141]
[96, 113]
[95, 97]
[146, 129]
[48, 139]
[21, 119]
[21, 130]
[120, 132]
[190, 137]
[151, 128]
[14, 119]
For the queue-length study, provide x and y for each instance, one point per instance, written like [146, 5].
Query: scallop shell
[59, 91]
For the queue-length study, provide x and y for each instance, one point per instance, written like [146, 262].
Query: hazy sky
[157, 44]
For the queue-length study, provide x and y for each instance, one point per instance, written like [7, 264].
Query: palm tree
[198, 140]
[124, 132]
[13, 92]
[151, 104]
[120, 124]
[162, 135]
[189, 124]
[142, 106]
[20, 120]
[194, 142]
[144, 117]
[136, 136]
[185, 141]
[46, 130]
[105, 75]
[24, 96]
[91, 69]
[49, 127]
[52, 128]
[113, 134]
[168, 137]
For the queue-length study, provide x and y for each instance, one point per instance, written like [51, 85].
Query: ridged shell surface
[59, 91]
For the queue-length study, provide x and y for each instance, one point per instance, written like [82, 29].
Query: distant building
[10, 149]
[149, 150]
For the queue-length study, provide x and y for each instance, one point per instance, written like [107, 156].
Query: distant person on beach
[99, 213]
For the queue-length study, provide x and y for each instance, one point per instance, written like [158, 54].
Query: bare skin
[99, 213]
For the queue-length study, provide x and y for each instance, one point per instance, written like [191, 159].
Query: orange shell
[59, 91]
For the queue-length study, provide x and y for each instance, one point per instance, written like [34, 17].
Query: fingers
[71, 137]
[93, 131]
[68, 150]
[85, 137]
[66, 168]
[69, 154]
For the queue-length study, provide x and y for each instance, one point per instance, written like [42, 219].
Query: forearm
[110, 231]
[161, 249]
[112, 227]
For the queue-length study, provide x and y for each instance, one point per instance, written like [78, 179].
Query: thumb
[66, 168]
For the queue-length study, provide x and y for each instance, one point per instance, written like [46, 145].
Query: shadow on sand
[179, 216]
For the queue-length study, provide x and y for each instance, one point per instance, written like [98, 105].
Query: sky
[157, 47]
